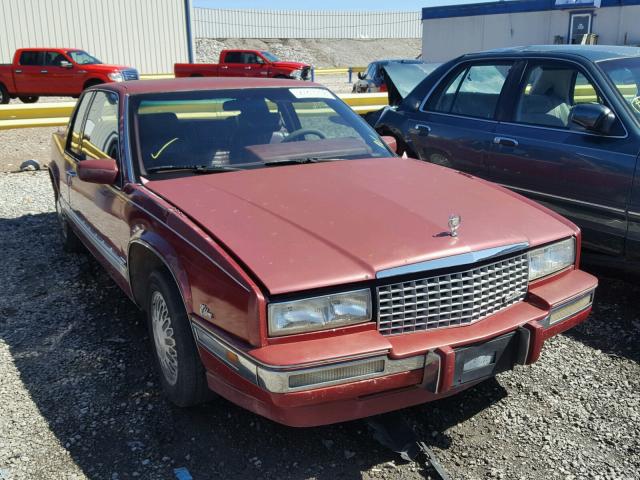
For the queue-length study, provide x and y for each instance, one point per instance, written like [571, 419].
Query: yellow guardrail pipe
[57, 114]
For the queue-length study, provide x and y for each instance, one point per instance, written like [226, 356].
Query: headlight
[320, 313]
[552, 258]
[297, 74]
[115, 76]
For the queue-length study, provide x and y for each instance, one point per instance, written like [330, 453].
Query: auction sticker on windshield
[311, 93]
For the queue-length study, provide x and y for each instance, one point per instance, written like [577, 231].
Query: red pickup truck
[47, 72]
[245, 63]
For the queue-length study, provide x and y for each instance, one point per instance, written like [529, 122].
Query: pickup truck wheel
[70, 241]
[181, 372]
[29, 99]
[4, 94]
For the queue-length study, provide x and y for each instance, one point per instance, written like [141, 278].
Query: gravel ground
[79, 398]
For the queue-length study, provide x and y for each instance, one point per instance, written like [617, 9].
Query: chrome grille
[458, 298]
[130, 74]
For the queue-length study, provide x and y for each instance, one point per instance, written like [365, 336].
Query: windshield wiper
[294, 161]
[192, 168]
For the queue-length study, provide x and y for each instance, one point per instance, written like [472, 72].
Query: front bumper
[318, 382]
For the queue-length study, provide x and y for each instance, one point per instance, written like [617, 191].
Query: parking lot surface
[79, 398]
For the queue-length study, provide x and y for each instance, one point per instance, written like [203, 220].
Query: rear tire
[70, 241]
[4, 95]
[31, 99]
[182, 374]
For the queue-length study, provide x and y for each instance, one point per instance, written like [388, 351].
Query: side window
[75, 130]
[233, 57]
[474, 92]
[100, 133]
[249, 57]
[53, 59]
[32, 58]
[549, 92]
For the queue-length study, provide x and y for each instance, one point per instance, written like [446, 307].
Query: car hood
[402, 78]
[315, 225]
[291, 65]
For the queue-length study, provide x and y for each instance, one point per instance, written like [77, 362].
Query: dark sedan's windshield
[222, 130]
[625, 75]
[83, 58]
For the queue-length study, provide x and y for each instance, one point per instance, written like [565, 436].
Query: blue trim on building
[512, 6]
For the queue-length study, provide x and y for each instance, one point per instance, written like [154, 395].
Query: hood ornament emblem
[454, 224]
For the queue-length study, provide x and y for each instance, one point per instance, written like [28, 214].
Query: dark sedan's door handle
[505, 142]
[422, 129]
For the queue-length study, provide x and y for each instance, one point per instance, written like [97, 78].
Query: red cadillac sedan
[289, 261]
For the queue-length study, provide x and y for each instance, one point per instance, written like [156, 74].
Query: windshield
[270, 56]
[625, 75]
[82, 58]
[251, 128]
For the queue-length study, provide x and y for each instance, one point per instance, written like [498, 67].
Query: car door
[59, 79]
[99, 210]
[455, 126]
[28, 74]
[537, 151]
[232, 66]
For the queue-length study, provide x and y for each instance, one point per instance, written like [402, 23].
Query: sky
[329, 4]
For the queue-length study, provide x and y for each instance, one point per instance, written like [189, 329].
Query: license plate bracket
[485, 359]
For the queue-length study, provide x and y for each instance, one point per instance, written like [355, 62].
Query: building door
[579, 25]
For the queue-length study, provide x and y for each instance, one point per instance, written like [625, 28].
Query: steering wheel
[303, 132]
[635, 103]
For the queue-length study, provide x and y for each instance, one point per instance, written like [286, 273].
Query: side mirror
[102, 170]
[391, 142]
[593, 117]
[361, 75]
[66, 64]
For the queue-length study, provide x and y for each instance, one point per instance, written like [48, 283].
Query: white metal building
[150, 35]
[454, 30]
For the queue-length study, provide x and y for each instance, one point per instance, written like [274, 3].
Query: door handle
[422, 129]
[505, 142]
[223, 67]
[247, 68]
[44, 71]
[18, 71]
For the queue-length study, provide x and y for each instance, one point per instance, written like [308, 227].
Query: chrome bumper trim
[277, 379]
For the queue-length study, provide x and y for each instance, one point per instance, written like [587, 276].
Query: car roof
[593, 53]
[136, 87]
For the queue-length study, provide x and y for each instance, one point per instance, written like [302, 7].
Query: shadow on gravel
[81, 349]
[614, 324]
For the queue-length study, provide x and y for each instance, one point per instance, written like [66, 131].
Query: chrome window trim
[466, 117]
[275, 378]
[453, 260]
[570, 200]
[635, 214]
[115, 260]
[568, 130]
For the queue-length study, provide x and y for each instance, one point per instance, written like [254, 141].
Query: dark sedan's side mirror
[391, 142]
[361, 75]
[593, 117]
[102, 170]
[66, 64]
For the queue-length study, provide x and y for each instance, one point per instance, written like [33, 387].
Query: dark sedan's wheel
[31, 99]
[181, 372]
[70, 241]
[4, 95]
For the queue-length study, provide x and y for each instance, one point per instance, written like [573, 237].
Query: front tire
[182, 374]
[30, 99]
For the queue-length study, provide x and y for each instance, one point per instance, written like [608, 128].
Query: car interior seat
[254, 125]
[548, 101]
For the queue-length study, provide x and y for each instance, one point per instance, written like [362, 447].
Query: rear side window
[233, 57]
[75, 131]
[32, 58]
[473, 92]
